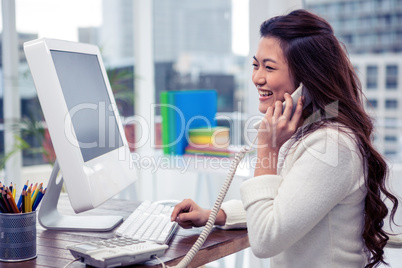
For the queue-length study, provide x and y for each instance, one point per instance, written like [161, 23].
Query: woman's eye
[269, 68]
[255, 66]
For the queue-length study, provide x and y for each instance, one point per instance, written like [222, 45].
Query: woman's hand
[275, 129]
[188, 214]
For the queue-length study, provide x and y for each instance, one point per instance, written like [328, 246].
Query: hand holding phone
[300, 91]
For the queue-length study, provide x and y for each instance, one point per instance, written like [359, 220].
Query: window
[372, 76]
[387, 20]
[391, 77]
[372, 103]
[347, 39]
[390, 138]
[390, 152]
[391, 104]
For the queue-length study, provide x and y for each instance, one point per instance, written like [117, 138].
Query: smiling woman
[318, 177]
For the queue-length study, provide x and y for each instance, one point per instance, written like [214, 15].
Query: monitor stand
[50, 218]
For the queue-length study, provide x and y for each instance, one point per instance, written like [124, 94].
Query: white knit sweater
[311, 213]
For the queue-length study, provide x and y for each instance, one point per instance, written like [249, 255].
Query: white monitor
[84, 125]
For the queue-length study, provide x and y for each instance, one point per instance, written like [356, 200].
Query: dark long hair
[318, 60]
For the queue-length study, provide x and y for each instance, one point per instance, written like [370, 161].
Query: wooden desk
[52, 252]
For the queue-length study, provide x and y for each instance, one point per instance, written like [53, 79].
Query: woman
[321, 206]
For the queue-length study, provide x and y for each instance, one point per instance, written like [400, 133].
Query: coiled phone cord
[211, 220]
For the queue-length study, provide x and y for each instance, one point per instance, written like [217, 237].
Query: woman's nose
[259, 78]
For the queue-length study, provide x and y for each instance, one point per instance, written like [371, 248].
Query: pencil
[28, 198]
[14, 191]
[38, 199]
[20, 200]
[23, 205]
[29, 205]
[4, 195]
[3, 207]
[34, 195]
[34, 188]
[12, 203]
[26, 202]
[40, 186]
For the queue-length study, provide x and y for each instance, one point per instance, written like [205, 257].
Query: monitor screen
[85, 127]
[88, 103]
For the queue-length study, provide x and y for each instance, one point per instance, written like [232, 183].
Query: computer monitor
[85, 128]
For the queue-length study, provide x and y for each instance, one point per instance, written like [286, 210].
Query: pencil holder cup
[17, 236]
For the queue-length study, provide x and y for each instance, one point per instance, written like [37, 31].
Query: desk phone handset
[300, 91]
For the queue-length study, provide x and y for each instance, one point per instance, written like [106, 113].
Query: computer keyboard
[142, 236]
[149, 222]
[118, 251]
